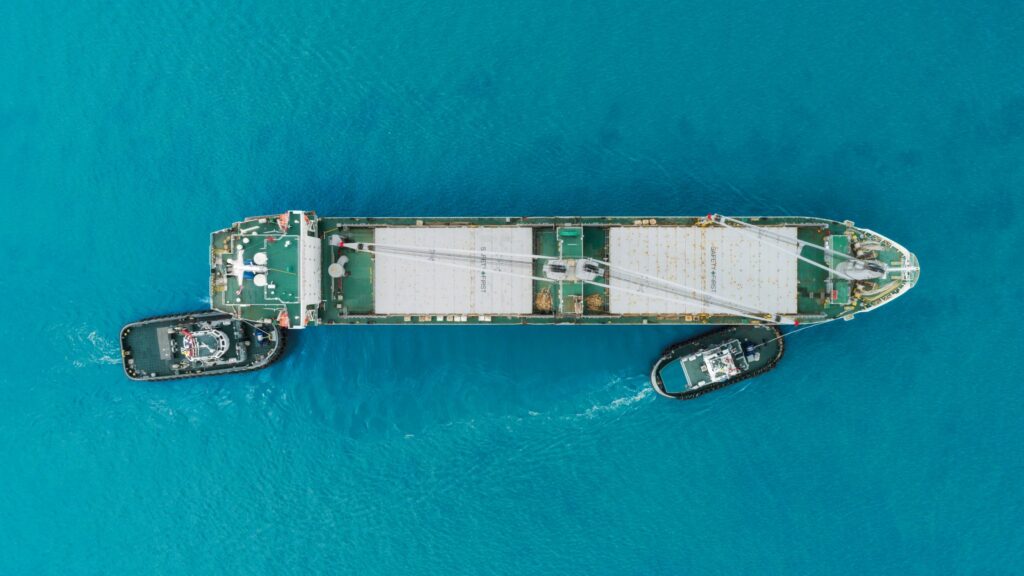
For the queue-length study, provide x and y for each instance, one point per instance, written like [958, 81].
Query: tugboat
[197, 344]
[715, 360]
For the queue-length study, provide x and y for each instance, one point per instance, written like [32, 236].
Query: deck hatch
[446, 286]
[723, 262]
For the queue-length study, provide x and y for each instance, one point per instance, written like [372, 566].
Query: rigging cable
[688, 300]
[672, 287]
[801, 329]
[757, 236]
[771, 233]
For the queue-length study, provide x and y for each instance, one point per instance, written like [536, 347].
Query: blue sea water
[129, 130]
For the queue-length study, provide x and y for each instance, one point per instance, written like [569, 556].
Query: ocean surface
[129, 130]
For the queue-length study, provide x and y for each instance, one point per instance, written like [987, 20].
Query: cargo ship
[296, 269]
[195, 344]
[716, 360]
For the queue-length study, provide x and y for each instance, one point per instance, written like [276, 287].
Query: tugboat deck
[715, 360]
[196, 344]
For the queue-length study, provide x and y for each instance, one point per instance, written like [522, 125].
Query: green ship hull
[296, 269]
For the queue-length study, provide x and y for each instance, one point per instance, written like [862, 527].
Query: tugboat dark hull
[681, 364]
[196, 344]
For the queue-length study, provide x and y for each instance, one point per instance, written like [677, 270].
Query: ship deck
[282, 246]
[375, 289]
[351, 299]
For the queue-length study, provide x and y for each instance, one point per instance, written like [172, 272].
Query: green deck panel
[692, 368]
[294, 223]
[283, 269]
[838, 243]
[842, 293]
[595, 243]
[282, 263]
[260, 303]
[672, 377]
[840, 288]
[569, 290]
[330, 288]
[570, 241]
[545, 243]
[357, 285]
[572, 288]
[811, 279]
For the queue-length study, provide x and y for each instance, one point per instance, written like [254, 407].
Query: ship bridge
[267, 268]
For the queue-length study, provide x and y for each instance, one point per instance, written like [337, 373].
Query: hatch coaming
[570, 299]
[476, 278]
[732, 271]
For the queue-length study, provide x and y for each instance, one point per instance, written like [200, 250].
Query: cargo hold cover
[413, 285]
[729, 263]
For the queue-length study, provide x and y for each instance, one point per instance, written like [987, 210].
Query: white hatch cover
[414, 285]
[725, 262]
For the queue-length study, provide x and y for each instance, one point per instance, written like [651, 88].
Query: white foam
[89, 348]
[617, 404]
